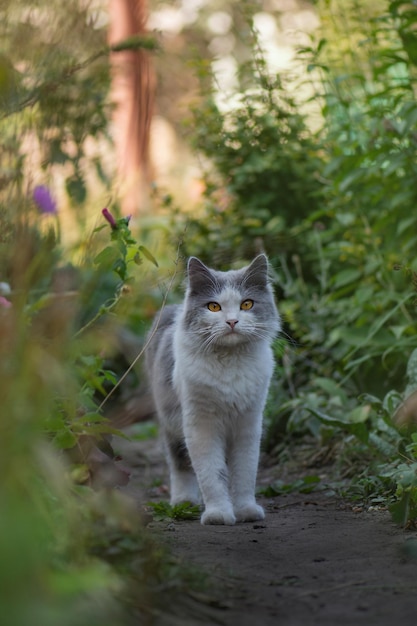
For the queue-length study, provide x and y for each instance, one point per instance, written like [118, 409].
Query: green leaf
[346, 277]
[76, 189]
[148, 255]
[143, 430]
[359, 429]
[65, 439]
[398, 331]
[107, 257]
[91, 417]
[330, 387]
[98, 430]
[307, 484]
[405, 509]
[405, 224]
[391, 402]
[120, 267]
[409, 40]
[99, 228]
[183, 511]
[380, 322]
[359, 414]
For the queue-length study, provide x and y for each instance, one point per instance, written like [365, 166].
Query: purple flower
[44, 200]
[109, 217]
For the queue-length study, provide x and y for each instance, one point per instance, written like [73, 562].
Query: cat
[210, 363]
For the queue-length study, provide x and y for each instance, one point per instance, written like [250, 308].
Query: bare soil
[314, 560]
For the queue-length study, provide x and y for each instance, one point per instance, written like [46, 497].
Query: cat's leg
[207, 453]
[243, 467]
[183, 481]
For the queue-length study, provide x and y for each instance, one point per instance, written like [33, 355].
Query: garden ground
[314, 560]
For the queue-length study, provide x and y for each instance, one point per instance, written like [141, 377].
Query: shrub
[334, 209]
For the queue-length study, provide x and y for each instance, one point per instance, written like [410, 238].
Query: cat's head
[230, 308]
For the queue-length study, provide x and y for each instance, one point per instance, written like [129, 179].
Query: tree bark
[133, 87]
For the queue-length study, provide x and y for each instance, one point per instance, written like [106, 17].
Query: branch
[137, 42]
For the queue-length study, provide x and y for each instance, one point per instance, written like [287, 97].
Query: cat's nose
[232, 323]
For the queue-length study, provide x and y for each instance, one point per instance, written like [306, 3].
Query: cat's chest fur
[235, 377]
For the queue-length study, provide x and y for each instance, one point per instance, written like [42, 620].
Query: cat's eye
[214, 307]
[246, 305]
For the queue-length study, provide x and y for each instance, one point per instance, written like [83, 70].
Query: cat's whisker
[291, 340]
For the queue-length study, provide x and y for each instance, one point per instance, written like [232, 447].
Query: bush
[334, 210]
[263, 174]
[67, 555]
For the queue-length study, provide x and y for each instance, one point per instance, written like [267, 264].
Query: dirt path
[312, 561]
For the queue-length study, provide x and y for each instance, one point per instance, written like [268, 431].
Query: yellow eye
[214, 307]
[246, 305]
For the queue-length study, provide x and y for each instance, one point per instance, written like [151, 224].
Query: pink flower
[5, 303]
[44, 200]
[109, 217]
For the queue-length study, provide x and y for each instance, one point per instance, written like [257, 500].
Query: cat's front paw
[218, 516]
[250, 513]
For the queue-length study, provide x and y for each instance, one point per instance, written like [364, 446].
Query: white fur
[223, 393]
[209, 374]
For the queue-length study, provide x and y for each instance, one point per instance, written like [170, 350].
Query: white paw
[218, 516]
[250, 513]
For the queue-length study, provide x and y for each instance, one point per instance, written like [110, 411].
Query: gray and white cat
[210, 363]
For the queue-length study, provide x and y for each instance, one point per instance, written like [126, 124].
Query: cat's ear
[198, 275]
[257, 272]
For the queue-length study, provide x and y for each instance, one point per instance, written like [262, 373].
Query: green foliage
[143, 431]
[54, 83]
[263, 174]
[54, 63]
[404, 509]
[334, 209]
[53, 386]
[111, 272]
[184, 511]
[67, 555]
[300, 485]
[123, 251]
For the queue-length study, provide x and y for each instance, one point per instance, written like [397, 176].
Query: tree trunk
[133, 86]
